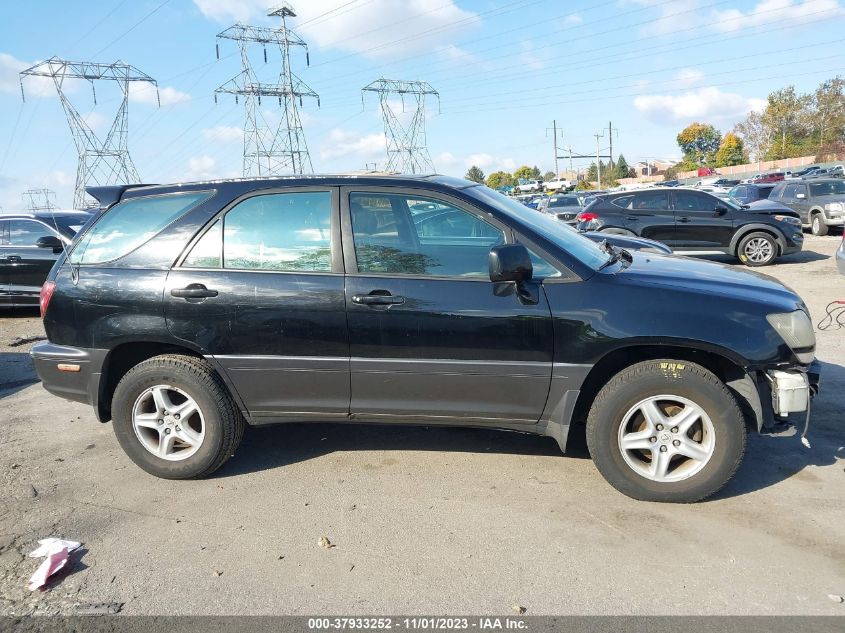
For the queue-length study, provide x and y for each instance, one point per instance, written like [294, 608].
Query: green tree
[475, 174]
[549, 175]
[499, 179]
[787, 116]
[621, 168]
[755, 134]
[731, 151]
[827, 113]
[699, 142]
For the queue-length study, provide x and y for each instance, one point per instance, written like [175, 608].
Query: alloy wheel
[168, 422]
[759, 250]
[666, 438]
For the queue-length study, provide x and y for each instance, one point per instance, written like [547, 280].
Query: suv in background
[776, 176]
[30, 243]
[750, 192]
[362, 300]
[529, 186]
[696, 222]
[819, 203]
[564, 207]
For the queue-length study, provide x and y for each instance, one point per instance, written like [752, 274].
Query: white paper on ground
[57, 551]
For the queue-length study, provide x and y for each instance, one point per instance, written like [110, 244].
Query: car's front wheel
[174, 417]
[757, 249]
[666, 430]
[817, 225]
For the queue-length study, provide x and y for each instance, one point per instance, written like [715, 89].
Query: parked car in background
[820, 203]
[748, 193]
[529, 186]
[719, 192]
[30, 243]
[807, 171]
[840, 256]
[668, 183]
[559, 184]
[563, 206]
[694, 222]
[502, 319]
[772, 177]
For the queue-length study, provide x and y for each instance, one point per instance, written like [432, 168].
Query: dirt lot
[424, 520]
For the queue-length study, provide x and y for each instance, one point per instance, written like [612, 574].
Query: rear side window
[764, 192]
[131, 223]
[27, 232]
[282, 232]
[650, 201]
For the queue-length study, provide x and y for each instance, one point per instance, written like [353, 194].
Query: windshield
[581, 248]
[564, 202]
[68, 225]
[829, 188]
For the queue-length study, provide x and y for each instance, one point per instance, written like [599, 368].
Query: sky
[504, 70]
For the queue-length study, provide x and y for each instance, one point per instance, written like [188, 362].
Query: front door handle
[632, 218]
[377, 300]
[193, 291]
[13, 258]
[684, 220]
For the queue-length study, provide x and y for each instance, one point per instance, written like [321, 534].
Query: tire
[205, 440]
[817, 225]
[757, 249]
[718, 432]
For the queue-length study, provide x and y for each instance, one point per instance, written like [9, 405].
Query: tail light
[45, 296]
[586, 216]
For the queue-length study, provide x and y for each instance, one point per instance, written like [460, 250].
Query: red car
[773, 177]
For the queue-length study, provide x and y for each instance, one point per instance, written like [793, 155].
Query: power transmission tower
[269, 148]
[406, 144]
[39, 199]
[105, 162]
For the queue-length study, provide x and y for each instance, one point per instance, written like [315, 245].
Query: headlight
[796, 330]
[788, 219]
[835, 206]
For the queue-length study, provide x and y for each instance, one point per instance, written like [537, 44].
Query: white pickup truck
[529, 186]
[559, 184]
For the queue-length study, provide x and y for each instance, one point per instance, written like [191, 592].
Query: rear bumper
[72, 373]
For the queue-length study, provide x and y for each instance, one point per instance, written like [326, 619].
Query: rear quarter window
[131, 223]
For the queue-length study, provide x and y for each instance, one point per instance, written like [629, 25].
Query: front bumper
[72, 373]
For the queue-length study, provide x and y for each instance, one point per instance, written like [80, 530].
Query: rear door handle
[684, 220]
[193, 291]
[377, 300]
[632, 218]
[13, 258]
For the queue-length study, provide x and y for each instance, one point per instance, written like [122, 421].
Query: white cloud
[223, 134]
[381, 28]
[10, 68]
[95, 120]
[573, 18]
[146, 93]
[231, 10]
[703, 103]
[479, 160]
[688, 77]
[795, 11]
[343, 144]
[201, 168]
[444, 160]
[530, 58]
[489, 163]
[672, 16]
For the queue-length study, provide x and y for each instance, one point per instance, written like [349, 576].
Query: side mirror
[800, 196]
[510, 262]
[49, 241]
[721, 209]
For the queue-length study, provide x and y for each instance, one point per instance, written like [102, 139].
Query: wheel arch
[757, 228]
[127, 354]
[719, 361]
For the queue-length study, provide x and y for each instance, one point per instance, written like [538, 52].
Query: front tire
[174, 417]
[667, 431]
[757, 249]
[817, 225]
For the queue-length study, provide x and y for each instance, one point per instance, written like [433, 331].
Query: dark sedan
[30, 243]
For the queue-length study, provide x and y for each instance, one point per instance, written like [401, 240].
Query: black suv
[747, 193]
[819, 203]
[695, 222]
[30, 243]
[186, 312]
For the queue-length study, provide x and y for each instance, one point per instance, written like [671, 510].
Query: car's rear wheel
[817, 225]
[757, 249]
[174, 417]
[666, 430]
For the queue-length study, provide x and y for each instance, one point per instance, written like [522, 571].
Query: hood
[770, 207]
[711, 278]
[628, 242]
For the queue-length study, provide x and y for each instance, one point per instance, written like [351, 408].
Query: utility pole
[610, 136]
[554, 145]
[101, 162]
[407, 152]
[270, 149]
[598, 156]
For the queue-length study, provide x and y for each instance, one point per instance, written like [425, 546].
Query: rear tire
[757, 249]
[174, 417]
[817, 225]
[640, 404]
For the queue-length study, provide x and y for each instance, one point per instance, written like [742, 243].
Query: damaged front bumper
[793, 389]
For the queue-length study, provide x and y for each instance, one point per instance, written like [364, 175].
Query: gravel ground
[423, 520]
